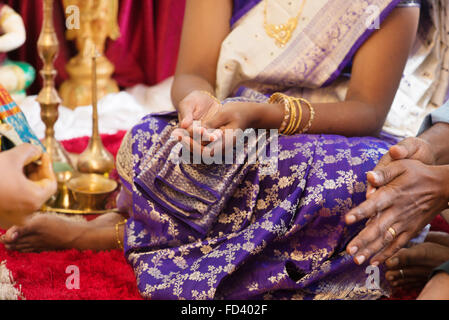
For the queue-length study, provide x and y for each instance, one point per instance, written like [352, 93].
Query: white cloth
[426, 77]
[8, 290]
[13, 30]
[118, 111]
[439, 115]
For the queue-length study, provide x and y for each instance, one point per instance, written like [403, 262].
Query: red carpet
[103, 275]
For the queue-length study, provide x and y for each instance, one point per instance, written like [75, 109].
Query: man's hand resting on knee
[406, 191]
[24, 186]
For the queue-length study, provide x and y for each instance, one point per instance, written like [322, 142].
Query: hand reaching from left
[24, 186]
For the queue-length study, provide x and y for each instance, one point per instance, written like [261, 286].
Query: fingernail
[353, 250]
[350, 219]
[393, 262]
[360, 259]
[390, 278]
[375, 264]
[375, 176]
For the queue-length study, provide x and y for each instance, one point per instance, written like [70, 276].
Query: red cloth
[103, 275]
[42, 276]
[2, 54]
[439, 224]
[145, 53]
[111, 142]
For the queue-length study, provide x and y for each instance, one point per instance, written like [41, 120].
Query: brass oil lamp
[95, 159]
[86, 191]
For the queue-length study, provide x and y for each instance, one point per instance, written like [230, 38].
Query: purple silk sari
[278, 236]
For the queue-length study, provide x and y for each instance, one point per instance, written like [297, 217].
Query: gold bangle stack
[120, 244]
[211, 95]
[293, 113]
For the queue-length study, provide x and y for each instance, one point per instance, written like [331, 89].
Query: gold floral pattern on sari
[294, 216]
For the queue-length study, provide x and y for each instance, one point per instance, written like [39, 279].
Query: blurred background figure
[16, 77]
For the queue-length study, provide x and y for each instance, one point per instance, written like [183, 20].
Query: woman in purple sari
[234, 232]
[199, 231]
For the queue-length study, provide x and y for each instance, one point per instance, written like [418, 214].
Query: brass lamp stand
[48, 97]
[83, 192]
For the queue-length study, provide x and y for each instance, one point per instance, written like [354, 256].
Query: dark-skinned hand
[406, 192]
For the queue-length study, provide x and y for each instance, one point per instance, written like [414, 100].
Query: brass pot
[90, 191]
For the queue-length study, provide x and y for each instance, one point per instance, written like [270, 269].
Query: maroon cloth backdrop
[145, 53]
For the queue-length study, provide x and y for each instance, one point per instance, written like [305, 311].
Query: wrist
[441, 175]
[185, 84]
[439, 146]
[445, 182]
[267, 116]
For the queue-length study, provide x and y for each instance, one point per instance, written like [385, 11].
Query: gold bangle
[286, 117]
[297, 103]
[293, 113]
[312, 116]
[280, 98]
[120, 245]
[211, 96]
[293, 118]
[276, 97]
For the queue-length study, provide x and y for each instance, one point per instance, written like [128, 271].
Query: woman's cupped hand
[206, 125]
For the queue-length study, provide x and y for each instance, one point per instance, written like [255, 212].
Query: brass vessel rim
[107, 185]
[77, 212]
